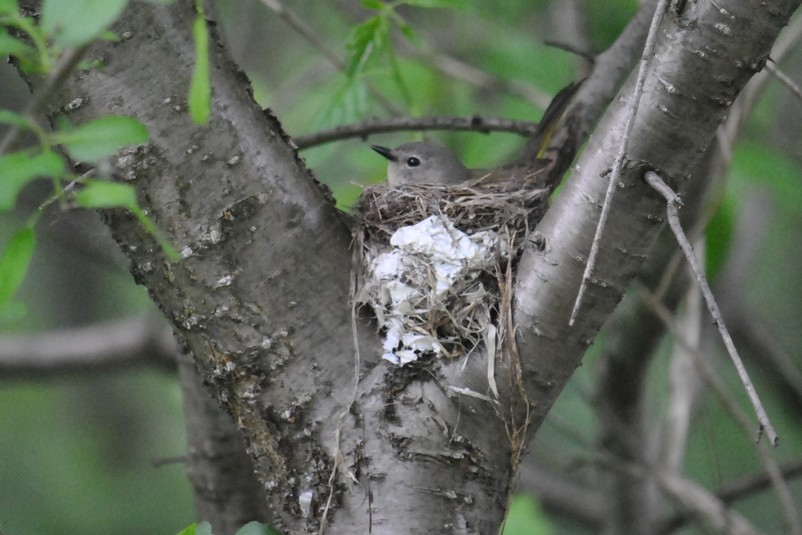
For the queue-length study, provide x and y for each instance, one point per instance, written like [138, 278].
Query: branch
[297, 23]
[55, 78]
[377, 126]
[104, 347]
[740, 417]
[696, 500]
[226, 491]
[672, 202]
[737, 490]
[684, 101]
[612, 181]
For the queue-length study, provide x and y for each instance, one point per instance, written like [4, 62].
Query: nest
[434, 261]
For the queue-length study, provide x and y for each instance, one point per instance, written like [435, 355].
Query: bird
[428, 162]
[423, 162]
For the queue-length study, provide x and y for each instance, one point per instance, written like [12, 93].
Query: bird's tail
[551, 119]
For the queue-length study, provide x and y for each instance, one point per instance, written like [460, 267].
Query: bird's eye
[413, 162]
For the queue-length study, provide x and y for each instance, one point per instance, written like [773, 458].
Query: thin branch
[296, 23]
[699, 501]
[684, 384]
[107, 346]
[736, 490]
[64, 66]
[364, 129]
[739, 416]
[648, 50]
[785, 80]
[672, 201]
[584, 54]
[468, 73]
[695, 500]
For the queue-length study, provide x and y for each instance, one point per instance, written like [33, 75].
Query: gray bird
[426, 162]
[422, 162]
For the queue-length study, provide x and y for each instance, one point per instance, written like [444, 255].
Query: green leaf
[104, 194]
[409, 33]
[77, 22]
[256, 528]
[9, 117]
[373, 4]
[526, 517]
[14, 262]
[11, 46]
[17, 169]
[102, 137]
[204, 528]
[200, 91]
[154, 231]
[9, 6]
[365, 42]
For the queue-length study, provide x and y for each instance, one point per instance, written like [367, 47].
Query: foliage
[63, 26]
[251, 528]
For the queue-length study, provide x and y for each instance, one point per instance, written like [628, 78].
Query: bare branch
[377, 126]
[297, 23]
[648, 52]
[719, 389]
[736, 490]
[672, 202]
[467, 73]
[108, 346]
[785, 80]
[696, 499]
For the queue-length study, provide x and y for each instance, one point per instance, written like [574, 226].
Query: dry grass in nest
[466, 315]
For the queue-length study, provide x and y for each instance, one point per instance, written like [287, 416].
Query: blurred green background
[77, 452]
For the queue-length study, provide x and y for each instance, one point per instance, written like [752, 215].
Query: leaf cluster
[36, 46]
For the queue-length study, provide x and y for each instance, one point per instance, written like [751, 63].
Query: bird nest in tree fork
[434, 262]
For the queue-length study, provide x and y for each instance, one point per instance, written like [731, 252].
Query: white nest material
[433, 260]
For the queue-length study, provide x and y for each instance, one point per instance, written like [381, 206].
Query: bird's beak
[384, 151]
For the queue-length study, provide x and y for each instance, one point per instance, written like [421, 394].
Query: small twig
[736, 490]
[672, 211]
[773, 471]
[296, 23]
[784, 79]
[164, 461]
[584, 54]
[376, 126]
[648, 49]
[339, 458]
[700, 502]
[468, 73]
[695, 500]
[64, 66]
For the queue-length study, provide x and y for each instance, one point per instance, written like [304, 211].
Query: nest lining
[441, 293]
